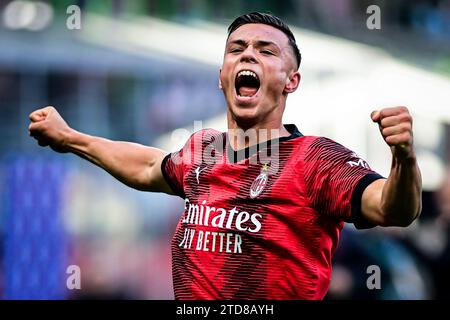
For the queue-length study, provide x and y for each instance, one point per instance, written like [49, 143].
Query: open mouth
[246, 83]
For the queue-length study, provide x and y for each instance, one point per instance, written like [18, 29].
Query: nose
[248, 55]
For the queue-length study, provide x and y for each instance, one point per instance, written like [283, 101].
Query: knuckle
[406, 117]
[405, 127]
[410, 119]
[390, 140]
[404, 109]
[404, 137]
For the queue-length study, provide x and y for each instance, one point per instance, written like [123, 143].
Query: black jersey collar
[235, 156]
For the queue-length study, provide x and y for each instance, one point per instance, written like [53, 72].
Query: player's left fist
[396, 128]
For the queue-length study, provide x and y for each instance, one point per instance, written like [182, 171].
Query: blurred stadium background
[138, 70]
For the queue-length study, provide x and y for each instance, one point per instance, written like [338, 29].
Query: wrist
[403, 155]
[69, 138]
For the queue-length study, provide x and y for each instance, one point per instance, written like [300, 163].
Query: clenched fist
[49, 129]
[396, 127]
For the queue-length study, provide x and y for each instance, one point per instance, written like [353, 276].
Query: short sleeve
[335, 179]
[176, 166]
[173, 172]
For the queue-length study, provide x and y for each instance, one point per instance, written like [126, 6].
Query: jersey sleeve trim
[356, 215]
[169, 181]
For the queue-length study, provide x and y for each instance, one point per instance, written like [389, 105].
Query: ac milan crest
[259, 183]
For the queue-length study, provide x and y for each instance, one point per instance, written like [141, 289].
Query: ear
[220, 82]
[292, 82]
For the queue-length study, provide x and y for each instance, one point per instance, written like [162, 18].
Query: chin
[245, 116]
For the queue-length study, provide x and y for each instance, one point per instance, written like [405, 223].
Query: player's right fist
[49, 129]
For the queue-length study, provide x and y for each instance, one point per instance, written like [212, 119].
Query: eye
[235, 50]
[267, 52]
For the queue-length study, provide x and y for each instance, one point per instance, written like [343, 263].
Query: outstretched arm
[397, 200]
[133, 164]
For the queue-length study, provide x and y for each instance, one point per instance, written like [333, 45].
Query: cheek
[276, 82]
[227, 66]
[225, 75]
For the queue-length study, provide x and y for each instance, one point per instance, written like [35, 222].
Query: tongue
[247, 91]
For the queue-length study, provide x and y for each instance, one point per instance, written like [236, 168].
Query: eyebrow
[259, 43]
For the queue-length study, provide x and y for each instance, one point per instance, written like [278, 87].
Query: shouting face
[259, 70]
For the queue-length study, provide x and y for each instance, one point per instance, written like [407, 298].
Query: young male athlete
[264, 204]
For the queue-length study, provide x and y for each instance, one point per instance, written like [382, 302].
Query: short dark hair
[271, 20]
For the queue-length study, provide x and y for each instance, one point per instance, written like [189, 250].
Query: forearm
[401, 201]
[130, 163]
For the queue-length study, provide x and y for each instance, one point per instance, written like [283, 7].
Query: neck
[244, 136]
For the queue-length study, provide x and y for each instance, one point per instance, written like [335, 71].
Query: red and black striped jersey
[263, 222]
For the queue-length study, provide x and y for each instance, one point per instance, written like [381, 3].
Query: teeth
[247, 73]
